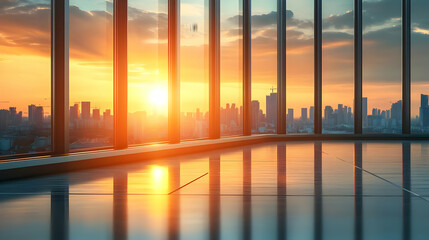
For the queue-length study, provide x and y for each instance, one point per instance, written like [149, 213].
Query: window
[194, 78]
[264, 66]
[91, 74]
[382, 88]
[419, 74]
[147, 71]
[338, 66]
[300, 66]
[231, 60]
[25, 77]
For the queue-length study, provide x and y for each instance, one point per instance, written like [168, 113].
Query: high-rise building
[96, 113]
[38, 116]
[312, 113]
[74, 113]
[4, 119]
[396, 111]
[31, 110]
[289, 118]
[255, 114]
[86, 110]
[271, 106]
[304, 114]
[364, 111]
[424, 111]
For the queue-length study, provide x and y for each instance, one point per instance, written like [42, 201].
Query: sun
[158, 97]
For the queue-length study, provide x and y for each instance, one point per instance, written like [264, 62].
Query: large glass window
[91, 74]
[25, 76]
[338, 79]
[147, 71]
[300, 66]
[264, 66]
[231, 68]
[382, 88]
[419, 60]
[194, 78]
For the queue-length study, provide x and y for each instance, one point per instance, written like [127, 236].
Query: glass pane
[231, 73]
[147, 71]
[419, 60]
[338, 66]
[264, 66]
[382, 90]
[91, 74]
[194, 78]
[25, 76]
[300, 66]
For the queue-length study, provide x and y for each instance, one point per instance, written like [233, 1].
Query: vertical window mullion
[281, 66]
[173, 71]
[247, 72]
[406, 66]
[214, 69]
[358, 67]
[120, 74]
[60, 76]
[317, 66]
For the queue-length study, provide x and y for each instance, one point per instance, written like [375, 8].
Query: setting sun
[159, 97]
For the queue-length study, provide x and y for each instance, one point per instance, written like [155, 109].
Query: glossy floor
[308, 190]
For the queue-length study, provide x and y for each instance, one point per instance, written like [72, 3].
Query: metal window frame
[406, 66]
[247, 68]
[281, 66]
[358, 67]
[120, 73]
[60, 76]
[174, 71]
[60, 70]
[214, 69]
[317, 66]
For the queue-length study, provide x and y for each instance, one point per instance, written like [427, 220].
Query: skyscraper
[289, 118]
[96, 113]
[255, 114]
[38, 116]
[396, 111]
[424, 111]
[304, 114]
[31, 110]
[86, 110]
[365, 111]
[312, 113]
[74, 113]
[271, 106]
[4, 119]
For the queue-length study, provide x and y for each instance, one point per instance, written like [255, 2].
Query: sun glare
[159, 97]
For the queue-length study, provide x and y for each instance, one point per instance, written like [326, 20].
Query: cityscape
[90, 128]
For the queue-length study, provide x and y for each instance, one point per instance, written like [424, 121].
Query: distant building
[74, 113]
[38, 116]
[365, 111]
[271, 106]
[96, 114]
[304, 114]
[86, 110]
[424, 111]
[255, 114]
[4, 119]
[289, 118]
[396, 111]
[312, 113]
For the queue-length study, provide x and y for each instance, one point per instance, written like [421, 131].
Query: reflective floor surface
[306, 190]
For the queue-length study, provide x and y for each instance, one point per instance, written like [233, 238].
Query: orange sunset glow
[25, 59]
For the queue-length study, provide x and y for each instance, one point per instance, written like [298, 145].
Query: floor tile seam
[381, 178]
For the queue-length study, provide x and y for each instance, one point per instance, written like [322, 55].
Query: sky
[25, 53]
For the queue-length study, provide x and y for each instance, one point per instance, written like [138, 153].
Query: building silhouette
[271, 106]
